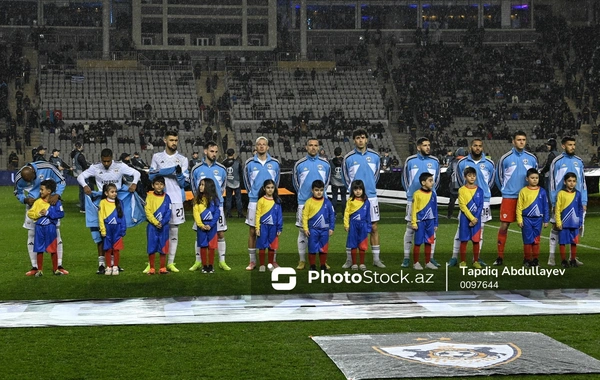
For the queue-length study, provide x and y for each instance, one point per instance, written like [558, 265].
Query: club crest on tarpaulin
[462, 355]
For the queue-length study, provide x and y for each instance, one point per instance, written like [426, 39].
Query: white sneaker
[430, 265]
[579, 263]
[108, 271]
[551, 262]
[354, 267]
[378, 264]
[417, 266]
[115, 270]
[262, 268]
[362, 267]
[347, 264]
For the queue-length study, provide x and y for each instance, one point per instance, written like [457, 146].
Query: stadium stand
[279, 94]
[93, 94]
[124, 137]
[287, 106]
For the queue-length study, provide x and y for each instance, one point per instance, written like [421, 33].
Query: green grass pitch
[244, 350]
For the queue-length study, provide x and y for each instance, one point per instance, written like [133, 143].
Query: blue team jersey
[486, 173]
[569, 209]
[307, 170]
[364, 166]
[256, 173]
[318, 214]
[357, 217]
[511, 172]
[470, 202]
[115, 227]
[413, 167]
[533, 203]
[158, 209]
[269, 220]
[561, 165]
[43, 171]
[217, 172]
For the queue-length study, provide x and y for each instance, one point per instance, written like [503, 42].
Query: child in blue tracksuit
[46, 218]
[113, 227]
[269, 223]
[569, 218]
[532, 213]
[158, 214]
[357, 222]
[424, 220]
[318, 223]
[470, 202]
[206, 216]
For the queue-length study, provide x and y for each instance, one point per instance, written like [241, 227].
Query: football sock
[361, 255]
[54, 258]
[323, 258]
[408, 240]
[428, 254]
[197, 250]
[204, 255]
[481, 237]
[456, 245]
[211, 256]
[151, 258]
[535, 250]
[261, 256]
[271, 256]
[107, 255]
[527, 251]
[59, 247]
[40, 260]
[553, 242]
[463, 250]
[476, 250]
[573, 251]
[312, 258]
[116, 257]
[563, 253]
[376, 250]
[433, 245]
[302, 244]
[221, 247]
[501, 242]
[32, 255]
[252, 254]
[173, 240]
[350, 256]
[101, 253]
[353, 255]
[416, 252]
[163, 260]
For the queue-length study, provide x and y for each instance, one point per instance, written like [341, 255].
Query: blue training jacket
[511, 172]
[43, 170]
[216, 172]
[486, 173]
[307, 170]
[561, 165]
[364, 166]
[255, 174]
[413, 167]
